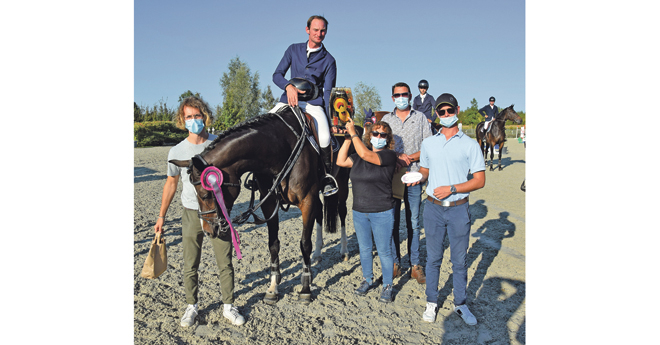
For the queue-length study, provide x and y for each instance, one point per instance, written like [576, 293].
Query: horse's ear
[199, 163]
[179, 163]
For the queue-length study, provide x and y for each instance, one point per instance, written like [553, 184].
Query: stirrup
[329, 189]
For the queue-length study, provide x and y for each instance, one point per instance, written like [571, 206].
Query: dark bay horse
[496, 135]
[262, 145]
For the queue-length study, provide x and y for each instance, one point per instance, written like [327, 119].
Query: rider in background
[194, 115]
[424, 102]
[489, 112]
[311, 61]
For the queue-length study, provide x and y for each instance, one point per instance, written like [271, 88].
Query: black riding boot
[329, 183]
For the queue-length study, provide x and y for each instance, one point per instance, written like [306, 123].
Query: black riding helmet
[423, 84]
[491, 99]
[311, 90]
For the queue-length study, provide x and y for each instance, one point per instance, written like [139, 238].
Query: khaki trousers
[193, 235]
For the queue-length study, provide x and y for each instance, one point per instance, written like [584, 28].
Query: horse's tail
[330, 213]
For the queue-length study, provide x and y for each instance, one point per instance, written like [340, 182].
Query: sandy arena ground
[496, 277]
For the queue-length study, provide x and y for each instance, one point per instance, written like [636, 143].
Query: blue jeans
[453, 222]
[412, 197]
[380, 225]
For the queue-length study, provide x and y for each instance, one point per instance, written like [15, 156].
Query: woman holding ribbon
[372, 167]
[194, 115]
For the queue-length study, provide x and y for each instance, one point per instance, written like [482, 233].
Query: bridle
[251, 184]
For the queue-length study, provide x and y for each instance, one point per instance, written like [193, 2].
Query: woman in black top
[372, 167]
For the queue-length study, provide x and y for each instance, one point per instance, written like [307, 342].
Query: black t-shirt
[372, 184]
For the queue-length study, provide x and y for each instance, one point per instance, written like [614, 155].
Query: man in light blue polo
[445, 161]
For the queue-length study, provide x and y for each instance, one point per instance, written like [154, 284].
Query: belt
[448, 203]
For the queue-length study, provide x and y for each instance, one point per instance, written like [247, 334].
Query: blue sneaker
[386, 295]
[364, 287]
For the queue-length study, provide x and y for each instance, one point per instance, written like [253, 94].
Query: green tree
[188, 94]
[137, 113]
[470, 115]
[268, 101]
[242, 97]
[364, 96]
[162, 112]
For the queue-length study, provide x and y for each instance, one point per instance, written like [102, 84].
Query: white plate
[411, 177]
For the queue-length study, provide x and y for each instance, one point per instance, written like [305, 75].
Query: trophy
[341, 105]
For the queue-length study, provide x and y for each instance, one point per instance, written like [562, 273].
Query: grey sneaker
[234, 316]
[364, 287]
[429, 314]
[189, 316]
[465, 313]
[386, 295]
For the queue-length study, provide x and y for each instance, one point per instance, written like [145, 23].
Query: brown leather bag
[156, 262]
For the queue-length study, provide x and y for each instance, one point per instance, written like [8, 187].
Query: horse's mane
[500, 114]
[246, 124]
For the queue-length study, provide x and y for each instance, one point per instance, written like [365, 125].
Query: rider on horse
[489, 113]
[311, 62]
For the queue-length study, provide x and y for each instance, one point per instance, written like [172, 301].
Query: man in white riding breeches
[312, 62]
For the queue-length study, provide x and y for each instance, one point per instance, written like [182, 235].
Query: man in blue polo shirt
[445, 161]
[312, 62]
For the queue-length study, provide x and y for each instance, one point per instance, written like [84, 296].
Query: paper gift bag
[156, 261]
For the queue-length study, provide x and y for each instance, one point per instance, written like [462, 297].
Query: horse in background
[496, 135]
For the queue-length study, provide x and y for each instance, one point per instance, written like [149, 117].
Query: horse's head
[509, 114]
[210, 214]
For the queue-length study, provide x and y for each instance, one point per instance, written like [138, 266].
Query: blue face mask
[448, 121]
[401, 103]
[378, 143]
[195, 125]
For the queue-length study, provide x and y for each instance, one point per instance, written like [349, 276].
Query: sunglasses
[397, 95]
[377, 134]
[449, 111]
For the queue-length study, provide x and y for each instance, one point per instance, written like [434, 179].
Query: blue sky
[472, 49]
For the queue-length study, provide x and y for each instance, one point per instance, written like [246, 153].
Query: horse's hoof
[500, 169]
[316, 260]
[345, 256]
[270, 298]
[305, 298]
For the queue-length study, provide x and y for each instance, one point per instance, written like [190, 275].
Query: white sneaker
[465, 313]
[429, 314]
[189, 316]
[234, 316]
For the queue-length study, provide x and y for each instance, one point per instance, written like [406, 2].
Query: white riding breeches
[320, 120]
[486, 124]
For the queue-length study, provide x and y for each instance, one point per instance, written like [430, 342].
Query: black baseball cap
[446, 98]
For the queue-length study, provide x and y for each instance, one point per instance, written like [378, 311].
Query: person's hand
[350, 126]
[404, 159]
[292, 95]
[159, 226]
[442, 192]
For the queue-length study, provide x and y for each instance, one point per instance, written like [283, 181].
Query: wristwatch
[453, 189]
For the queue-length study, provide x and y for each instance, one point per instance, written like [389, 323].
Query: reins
[250, 183]
[293, 158]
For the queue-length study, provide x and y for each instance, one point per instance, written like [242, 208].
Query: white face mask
[448, 121]
[401, 103]
[195, 125]
[378, 143]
